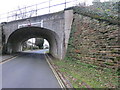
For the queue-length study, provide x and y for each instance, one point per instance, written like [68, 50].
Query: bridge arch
[15, 40]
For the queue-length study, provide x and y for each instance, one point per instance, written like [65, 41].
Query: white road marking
[4, 61]
[54, 72]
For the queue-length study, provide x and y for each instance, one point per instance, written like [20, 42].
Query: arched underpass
[16, 39]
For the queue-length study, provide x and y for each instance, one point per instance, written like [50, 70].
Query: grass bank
[82, 75]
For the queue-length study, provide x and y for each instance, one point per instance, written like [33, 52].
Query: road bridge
[54, 27]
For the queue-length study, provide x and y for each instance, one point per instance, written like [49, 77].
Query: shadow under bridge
[16, 39]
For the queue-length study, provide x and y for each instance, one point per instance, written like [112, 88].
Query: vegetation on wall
[107, 11]
[93, 58]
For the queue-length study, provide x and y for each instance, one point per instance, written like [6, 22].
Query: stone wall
[94, 42]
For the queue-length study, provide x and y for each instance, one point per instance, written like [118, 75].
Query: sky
[9, 5]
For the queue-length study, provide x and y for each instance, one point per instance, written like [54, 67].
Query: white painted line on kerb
[7, 60]
[56, 75]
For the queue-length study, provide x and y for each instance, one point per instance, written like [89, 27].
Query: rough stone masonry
[94, 40]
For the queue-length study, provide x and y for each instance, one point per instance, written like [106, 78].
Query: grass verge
[82, 75]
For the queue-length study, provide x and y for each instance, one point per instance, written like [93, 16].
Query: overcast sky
[9, 5]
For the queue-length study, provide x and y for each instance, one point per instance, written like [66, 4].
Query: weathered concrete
[53, 27]
[0, 39]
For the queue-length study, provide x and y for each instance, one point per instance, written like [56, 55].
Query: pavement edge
[8, 59]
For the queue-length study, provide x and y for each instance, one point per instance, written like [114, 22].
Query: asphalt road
[29, 70]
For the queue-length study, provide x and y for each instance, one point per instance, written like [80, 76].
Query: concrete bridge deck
[55, 28]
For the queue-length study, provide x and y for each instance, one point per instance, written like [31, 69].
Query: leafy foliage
[106, 11]
[39, 42]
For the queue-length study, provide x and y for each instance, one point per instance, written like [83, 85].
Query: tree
[39, 42]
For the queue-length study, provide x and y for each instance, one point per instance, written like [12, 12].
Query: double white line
[55, 73]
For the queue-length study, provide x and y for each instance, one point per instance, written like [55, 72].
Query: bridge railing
[42, 8]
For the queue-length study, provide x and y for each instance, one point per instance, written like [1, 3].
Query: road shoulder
[64, 83]
[6, 58]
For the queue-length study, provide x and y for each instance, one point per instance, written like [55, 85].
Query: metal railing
[42, 8]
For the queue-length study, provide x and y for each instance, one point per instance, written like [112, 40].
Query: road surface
[29, 70]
